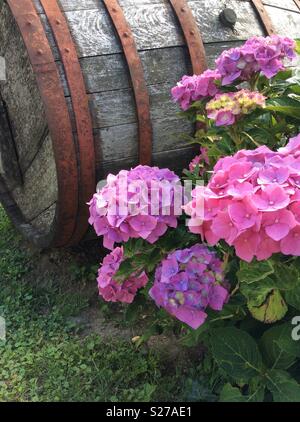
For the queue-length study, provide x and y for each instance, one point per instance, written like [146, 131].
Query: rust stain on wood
[80, 105]
[58, 119]
[297, 3]
[138, 79]
[265, 18]
[192, 35]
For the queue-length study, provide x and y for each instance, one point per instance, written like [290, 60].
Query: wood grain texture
[44, 220]
[154, 26]
[180, 160]
[282, 4]
[117, 142]
[21, 94]
[105, 73]
[6, 26]
[9, 166]
[71, 5]
[40, 183]
[112, 108]
[286, 23]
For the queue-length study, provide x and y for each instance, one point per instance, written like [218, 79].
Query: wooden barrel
[87, 92]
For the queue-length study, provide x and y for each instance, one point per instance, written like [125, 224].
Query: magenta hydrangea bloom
[189, 281]
[229, 107]
[112, 290]
[200, 160]
[135, 204]
[195, 88]
[258, 54]
[252, 202]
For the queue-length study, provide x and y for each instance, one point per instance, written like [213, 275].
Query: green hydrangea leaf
[293, 297]
[283, 387]
[257, 293]
[230, 394]
[236, 352]
[285, 105]
[272, 310]
[276, 347]
[286, 342]
[254, 271]
[256, 390]
[286, 276]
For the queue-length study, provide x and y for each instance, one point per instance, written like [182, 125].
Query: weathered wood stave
[165, 59]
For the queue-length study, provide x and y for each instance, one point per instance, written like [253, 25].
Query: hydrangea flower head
[195, 88]
[138, 203]
[189, 281]
[112, 290]
[227, 108]
[258, 54]
[252, 202]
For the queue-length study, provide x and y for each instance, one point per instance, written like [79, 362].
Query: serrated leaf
[286, 276]
[293, 297]
[272, 310]
[236, 352]
[283, 387]
[275, 347]
[250, 273]
[257, 293]
[286, 342]
[230, 394]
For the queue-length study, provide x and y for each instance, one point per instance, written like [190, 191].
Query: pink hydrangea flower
[135, 204]
[252, 202]
[226, 109]
[189, 281]
[112, 290]
[195, 88]
[200, 160]
[258, 54]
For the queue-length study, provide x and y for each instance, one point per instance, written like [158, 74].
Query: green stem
[253, 82]
[222, 318]
[234, 133]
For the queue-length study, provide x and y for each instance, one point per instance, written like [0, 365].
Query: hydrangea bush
[218, 264]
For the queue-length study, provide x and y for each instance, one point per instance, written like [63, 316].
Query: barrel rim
[48, 80]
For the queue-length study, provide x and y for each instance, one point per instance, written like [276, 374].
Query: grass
[47, 355]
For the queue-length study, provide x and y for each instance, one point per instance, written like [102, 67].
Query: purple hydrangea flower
[187, 282]
[195, 88]
[258, 54]
[112, 290]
